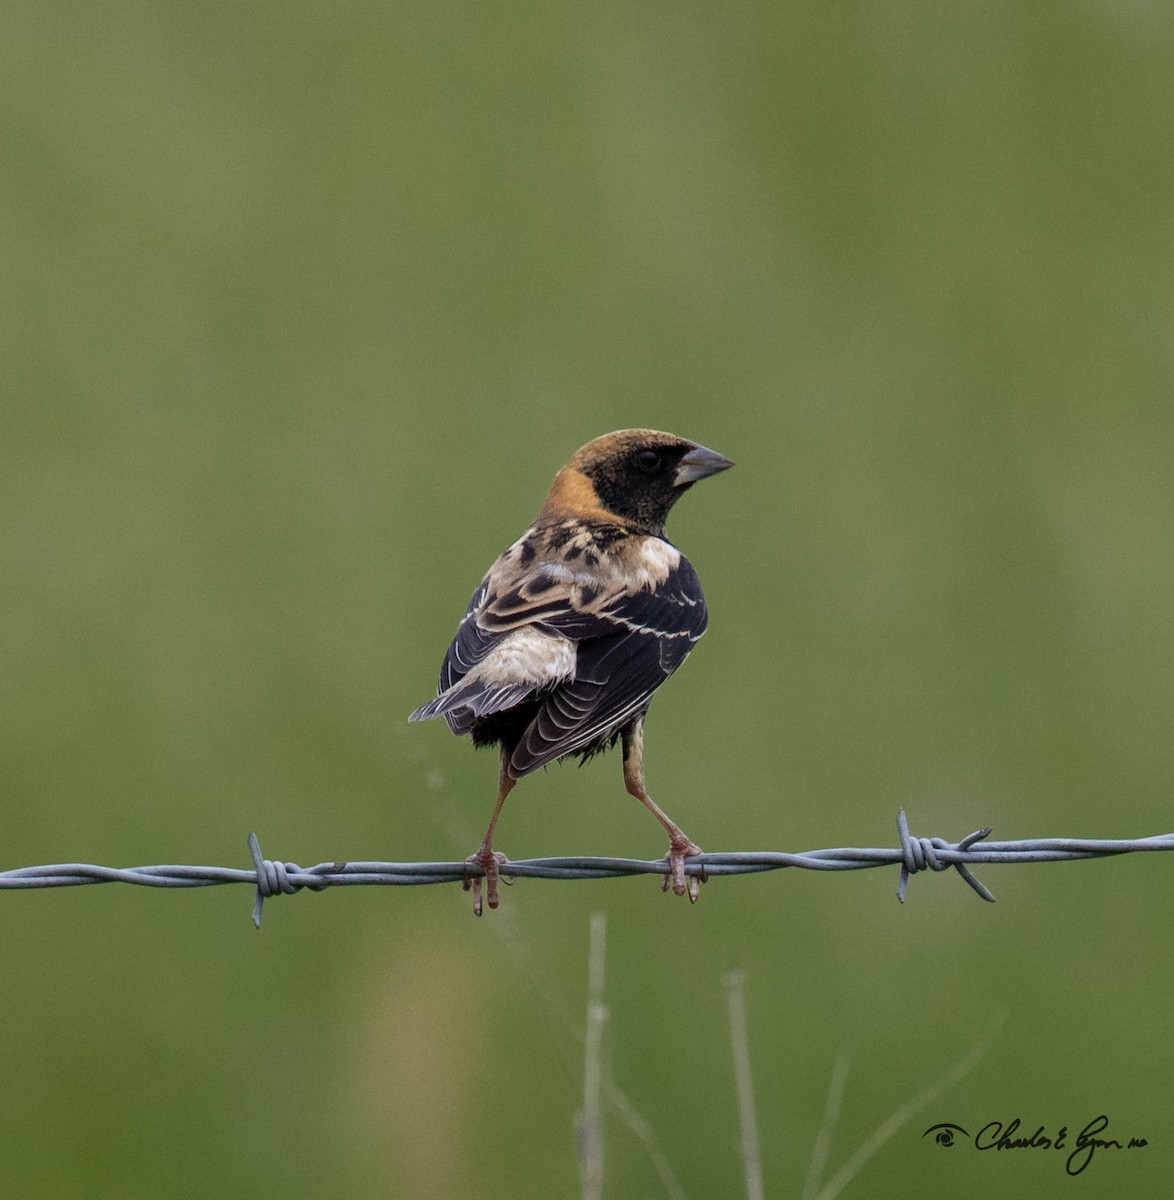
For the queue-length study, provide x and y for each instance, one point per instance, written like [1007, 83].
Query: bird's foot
[490, 862]
[680, 849]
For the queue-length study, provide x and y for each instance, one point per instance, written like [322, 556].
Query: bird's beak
[699, 463]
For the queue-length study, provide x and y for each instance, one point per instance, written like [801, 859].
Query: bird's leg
[680, 847]
[486, 857]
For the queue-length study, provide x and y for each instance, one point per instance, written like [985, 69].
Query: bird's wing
[627, 649]
[463, 692]
[629, 631]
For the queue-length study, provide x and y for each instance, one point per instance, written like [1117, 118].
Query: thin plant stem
[751, 1158]
[823, 1139]
[590, 1125]
[887, 1128]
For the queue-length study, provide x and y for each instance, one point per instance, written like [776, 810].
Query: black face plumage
[638, 482]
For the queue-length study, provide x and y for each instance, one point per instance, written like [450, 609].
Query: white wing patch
[651, 564]
[527, 656]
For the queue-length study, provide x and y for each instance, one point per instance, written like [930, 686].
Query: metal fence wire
[912, 854]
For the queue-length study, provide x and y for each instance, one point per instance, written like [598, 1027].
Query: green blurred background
[302, 308]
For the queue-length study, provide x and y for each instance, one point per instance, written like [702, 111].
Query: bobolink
[578, 623]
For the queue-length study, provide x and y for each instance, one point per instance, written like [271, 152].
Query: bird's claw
[675, 875]
[490, 863]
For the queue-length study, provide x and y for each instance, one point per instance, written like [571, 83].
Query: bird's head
[634, 476]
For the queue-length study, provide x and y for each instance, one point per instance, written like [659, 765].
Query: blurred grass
[304, 306]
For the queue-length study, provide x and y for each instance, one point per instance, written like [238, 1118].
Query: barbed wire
[913, 854]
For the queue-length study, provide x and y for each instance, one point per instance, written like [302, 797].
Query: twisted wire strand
[913, 854]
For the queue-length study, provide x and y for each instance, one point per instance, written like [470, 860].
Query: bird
[575, 626]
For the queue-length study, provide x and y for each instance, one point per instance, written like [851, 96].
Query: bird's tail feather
[473, 697]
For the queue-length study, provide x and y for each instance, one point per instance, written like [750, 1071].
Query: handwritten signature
[996, 1136]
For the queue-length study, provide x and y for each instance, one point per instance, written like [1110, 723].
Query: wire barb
[919, 853]
[271, 878]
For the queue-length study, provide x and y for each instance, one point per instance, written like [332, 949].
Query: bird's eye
[648, 460]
